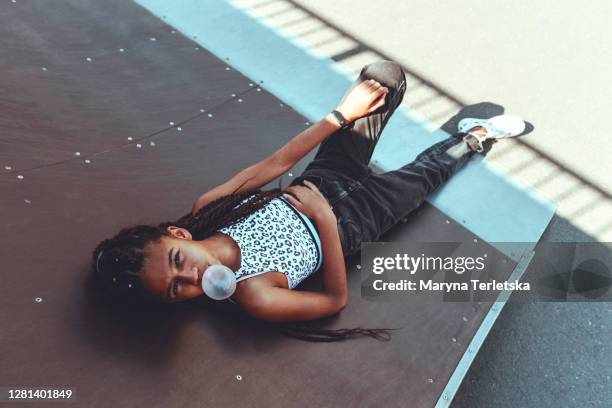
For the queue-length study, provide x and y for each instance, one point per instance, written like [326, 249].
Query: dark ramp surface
[58, 110]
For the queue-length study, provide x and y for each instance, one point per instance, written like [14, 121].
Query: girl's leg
[396, 193]
[349, 150]
[382, 200]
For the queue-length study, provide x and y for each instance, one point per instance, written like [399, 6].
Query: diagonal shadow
[437, 95]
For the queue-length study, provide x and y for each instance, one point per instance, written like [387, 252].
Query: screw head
[27, 201]
[44, 68]
[227, 68]
[239, 99]
[239, 377]
[202, 111]
[210, 115]
[38, 299]
[121, 50]
[77, 153]
[88, 59]
[153, 39]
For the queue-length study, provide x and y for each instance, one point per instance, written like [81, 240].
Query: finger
[378, 85]
[288, 195]
[292, 200]
[375, 87]
[379, 102]
[294, 189]
[315, 188]
[381, 90]
[295, 192]
[370, 83]
[311, 185]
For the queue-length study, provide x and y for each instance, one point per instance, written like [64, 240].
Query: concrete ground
[544, 354]
[547, 62]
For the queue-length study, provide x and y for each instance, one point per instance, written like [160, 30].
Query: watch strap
[341, 121]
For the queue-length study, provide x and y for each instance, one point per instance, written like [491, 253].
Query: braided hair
[118, 262]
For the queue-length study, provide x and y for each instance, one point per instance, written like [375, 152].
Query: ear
[178, 232]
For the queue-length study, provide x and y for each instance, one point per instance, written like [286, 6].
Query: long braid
[223, 212]
[317, 334]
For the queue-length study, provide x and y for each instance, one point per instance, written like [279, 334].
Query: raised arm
[360, 101]
[261, 173]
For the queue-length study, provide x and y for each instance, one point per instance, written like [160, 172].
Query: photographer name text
[429, 285]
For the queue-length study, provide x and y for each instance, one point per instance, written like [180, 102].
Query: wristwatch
[341, 121]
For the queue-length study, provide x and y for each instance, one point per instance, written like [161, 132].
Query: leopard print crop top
[277, 237]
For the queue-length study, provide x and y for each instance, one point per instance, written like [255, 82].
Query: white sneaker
[498, 127]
